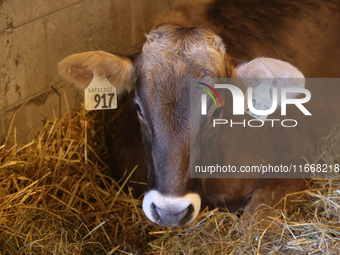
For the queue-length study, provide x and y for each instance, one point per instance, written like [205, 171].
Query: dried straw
[57, 197]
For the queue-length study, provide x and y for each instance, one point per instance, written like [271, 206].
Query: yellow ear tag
[100, 94]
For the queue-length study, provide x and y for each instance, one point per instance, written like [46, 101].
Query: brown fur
[194, 45]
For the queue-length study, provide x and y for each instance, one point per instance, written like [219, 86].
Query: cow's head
[161, 78]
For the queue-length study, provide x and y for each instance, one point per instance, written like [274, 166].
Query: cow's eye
[217, 113]
[139, 110]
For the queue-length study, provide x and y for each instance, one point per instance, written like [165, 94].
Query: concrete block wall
[36, 34]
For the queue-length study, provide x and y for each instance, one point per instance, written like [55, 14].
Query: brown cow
[191, 41]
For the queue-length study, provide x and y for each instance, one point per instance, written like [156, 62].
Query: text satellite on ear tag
[100, 94]
[261, 101]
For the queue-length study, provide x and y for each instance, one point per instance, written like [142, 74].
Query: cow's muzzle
[171, 210]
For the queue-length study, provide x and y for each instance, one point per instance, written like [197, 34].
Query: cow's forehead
[166, 100]
[172, 55]
[176, 51]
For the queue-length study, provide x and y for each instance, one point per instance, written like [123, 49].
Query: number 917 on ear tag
[100, 94]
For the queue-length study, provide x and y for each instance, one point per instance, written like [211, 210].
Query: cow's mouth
[172, 210]
[172, 218]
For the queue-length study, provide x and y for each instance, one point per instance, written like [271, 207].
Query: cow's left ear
[267, 68]
[275, 72]
[79, 69]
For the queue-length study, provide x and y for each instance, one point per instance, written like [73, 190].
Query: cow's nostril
[155, 212]
[188, 215]
[171, 217]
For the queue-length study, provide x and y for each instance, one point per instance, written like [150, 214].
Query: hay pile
[57, 197]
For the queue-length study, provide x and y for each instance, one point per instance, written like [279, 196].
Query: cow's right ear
[79, 68]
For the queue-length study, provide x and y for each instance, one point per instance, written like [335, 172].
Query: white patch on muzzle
[171, 210]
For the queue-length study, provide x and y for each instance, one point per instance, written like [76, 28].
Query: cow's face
[170, 57]
[161, 76]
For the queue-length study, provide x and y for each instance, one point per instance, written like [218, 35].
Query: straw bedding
[57, 197]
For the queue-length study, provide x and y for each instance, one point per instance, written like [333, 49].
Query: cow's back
[303, 33]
